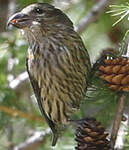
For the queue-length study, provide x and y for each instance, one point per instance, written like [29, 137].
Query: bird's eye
[38, 10]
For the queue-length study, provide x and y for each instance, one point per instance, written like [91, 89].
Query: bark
[117, 120]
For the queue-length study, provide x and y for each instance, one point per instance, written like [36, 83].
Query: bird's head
[39, 14]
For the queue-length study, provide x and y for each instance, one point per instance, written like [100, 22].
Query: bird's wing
[37, 91]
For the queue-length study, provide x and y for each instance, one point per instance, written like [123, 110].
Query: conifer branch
[119, 10]
[14, 112]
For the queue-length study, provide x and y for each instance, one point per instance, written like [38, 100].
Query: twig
[93, 15]
[34, 141]
[121, 139]
[117, 120]
[10, 135]
[15, 113]
[14, 84]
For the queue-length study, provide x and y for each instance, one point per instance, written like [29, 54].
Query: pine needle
[119, 10]
[119, 13]
[121, 18]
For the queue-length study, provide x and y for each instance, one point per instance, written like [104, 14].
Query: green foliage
[127, 142]
[121, 10]
[100, 100]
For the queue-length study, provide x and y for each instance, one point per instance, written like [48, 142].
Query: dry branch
[16, 83]
[93, 15]
[121, 138]
[117, 120]
[34, 141]
[14, 112]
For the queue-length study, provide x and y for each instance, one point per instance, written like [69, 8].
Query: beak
[19, 20]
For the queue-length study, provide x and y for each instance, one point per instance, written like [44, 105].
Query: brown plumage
[57, 62]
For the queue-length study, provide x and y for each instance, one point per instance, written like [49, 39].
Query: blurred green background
[20, 118]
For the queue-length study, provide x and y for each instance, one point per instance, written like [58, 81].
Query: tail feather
[54, 139]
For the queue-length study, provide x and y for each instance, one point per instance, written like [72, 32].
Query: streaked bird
[57, 62]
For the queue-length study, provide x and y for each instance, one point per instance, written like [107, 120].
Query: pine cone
[116, 73]
[90, 136]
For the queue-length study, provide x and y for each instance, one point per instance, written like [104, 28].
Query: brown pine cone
[90, 136]
[116, 73]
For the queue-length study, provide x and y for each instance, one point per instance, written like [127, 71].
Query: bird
[57, 62]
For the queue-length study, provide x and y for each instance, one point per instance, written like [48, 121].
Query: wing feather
[37, 91]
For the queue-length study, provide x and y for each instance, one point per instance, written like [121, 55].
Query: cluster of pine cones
[90, 135]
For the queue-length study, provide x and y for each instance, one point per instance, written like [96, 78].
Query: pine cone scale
[116, 73]
[116, 69]
[93, 136]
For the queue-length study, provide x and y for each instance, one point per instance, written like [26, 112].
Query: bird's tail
[54, 139]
